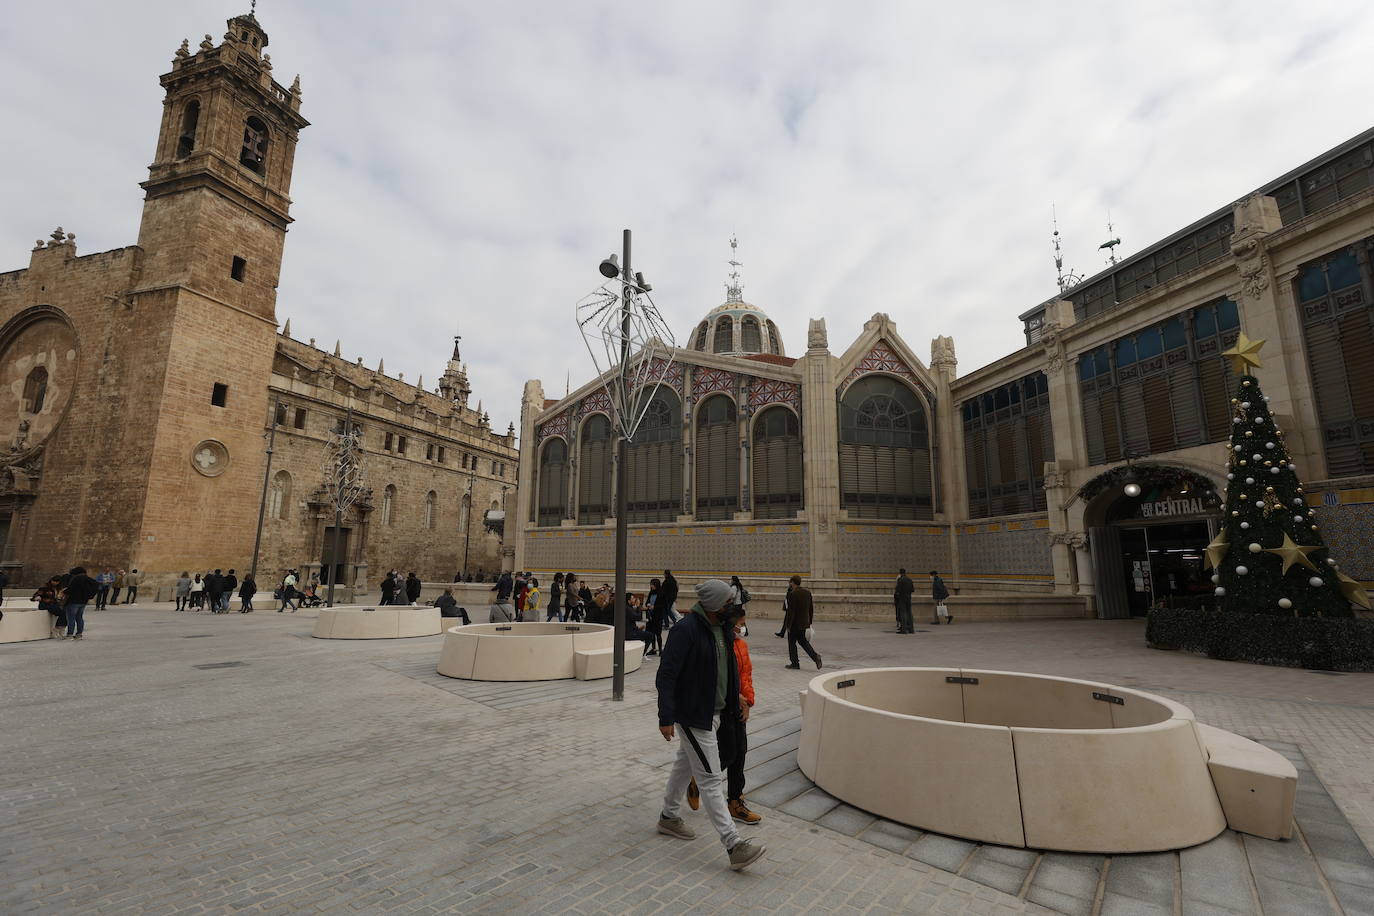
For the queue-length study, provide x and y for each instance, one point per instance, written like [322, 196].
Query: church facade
[1011, 480]
[142, 385]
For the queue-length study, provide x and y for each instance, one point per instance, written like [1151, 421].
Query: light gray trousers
[698, 757]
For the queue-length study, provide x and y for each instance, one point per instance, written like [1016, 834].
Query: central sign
[1164, 508]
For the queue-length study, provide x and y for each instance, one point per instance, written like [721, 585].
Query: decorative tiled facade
[558, 426]
[880, 550]
[1013, 549]
[691, 550]
[763, 392]
[882, 358]
[706, 381]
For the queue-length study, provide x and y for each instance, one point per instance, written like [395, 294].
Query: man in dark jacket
[502, 610]
[413, 587]
[902, 597]
[388, 589]
[80, 589]
[448, 607]
[227, 584]
[667, 596]
[798, 613]
[939, 593]
[214, 588]
[698, 684]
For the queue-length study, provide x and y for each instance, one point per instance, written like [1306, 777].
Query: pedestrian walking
[388, 588]
[694, 697]
[413, 587]
[532, 598]
[197, 592]
[214, 588]
[572, 601]
[555, 611]
[655, 617]
[667, 598]
[288, 592]
[799, 612]
[182, 590]
[79, 591]
[940, 593]
[131, 582]
[901, 596]
[247, 590]
[228, 586]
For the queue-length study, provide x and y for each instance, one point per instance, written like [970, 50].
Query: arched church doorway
[1148, 526]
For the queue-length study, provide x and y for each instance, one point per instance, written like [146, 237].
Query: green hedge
[1330, 644]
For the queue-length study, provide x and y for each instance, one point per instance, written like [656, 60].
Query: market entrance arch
[1147, 548]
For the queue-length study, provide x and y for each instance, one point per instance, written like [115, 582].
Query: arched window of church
[750, 338]
[190, 118]
[36, 390]
[594, 471]
[725, 334]
[701, 336]
[388, 504]
[774, 343]
[429, 510]
[279, 497]
[885, 467]
[255, 139]
[717, 459]
[653, 469]
[553, 483]
[777, 459]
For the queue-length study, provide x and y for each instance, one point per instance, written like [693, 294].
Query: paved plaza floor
[189, 763]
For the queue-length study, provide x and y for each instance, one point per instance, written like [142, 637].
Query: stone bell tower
[203, 310]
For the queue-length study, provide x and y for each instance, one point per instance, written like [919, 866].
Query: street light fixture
[622, 319]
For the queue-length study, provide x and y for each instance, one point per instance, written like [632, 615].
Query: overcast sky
[469, 164]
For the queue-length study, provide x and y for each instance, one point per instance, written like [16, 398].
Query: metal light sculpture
[344, 480]
[631, 347]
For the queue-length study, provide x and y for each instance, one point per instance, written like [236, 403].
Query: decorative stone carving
[210, 458]
[942, 354]
[1253, 265]
[207, 43]
[184, 51]
[1052, 339]
[1077, 540]
[816, 337]
[1055, 480]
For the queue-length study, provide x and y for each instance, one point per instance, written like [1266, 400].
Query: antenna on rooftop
[1111, 243]
[1067, 281]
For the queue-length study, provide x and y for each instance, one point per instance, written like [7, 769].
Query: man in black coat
[79, 591]
[214, 588]
[902, 596]
[939, 592]
[227, 584]
[698, 685]
[667, 595]
[413, 587]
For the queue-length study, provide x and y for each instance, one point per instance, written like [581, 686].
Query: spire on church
[734, 287]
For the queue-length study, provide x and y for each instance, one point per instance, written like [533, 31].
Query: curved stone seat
[531, 651]
[1014, 759]
[21, 624]
[389, 622]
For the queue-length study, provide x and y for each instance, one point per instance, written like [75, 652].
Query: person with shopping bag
[939, 593]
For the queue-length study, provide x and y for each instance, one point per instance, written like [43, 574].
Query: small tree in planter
[1269, 557]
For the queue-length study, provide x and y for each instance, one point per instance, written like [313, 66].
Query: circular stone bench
[533, 652]
[21, 624]
[1014, 759]
[390, 622]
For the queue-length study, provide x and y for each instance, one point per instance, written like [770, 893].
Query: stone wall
[691, 551]
[881, 549]
[1014, 549]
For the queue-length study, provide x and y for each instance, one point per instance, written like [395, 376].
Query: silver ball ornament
[1215, 578]
[1255, 548]
[1270, 445]
[1250, 481]
[1285, 603]
[1241, 571]
[1245, 404]
[1244, 525]
[1219, 591]
[1315, 581]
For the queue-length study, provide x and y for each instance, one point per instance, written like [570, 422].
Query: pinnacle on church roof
[338, 351]
[381, 367]
[286, 328]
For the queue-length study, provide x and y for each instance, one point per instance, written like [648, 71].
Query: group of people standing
[214, 590]
[398, 590]
[109, 583]
[901, 597]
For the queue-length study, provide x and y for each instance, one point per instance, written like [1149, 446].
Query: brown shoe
[740, 812]
[693, 795]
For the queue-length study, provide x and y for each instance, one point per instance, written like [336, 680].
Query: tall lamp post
[623, 321]
[467, 524]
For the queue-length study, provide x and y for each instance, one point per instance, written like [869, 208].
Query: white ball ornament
[1255, 548]
[1245, 404]
[1244, 525]
[1297, 501]
[1292, 467]
[1250, 481]
[1299, 519]
[1331, 561]
[1257, 457]
[1215, 578]
[1259, 421]
[1230, 476]
[1269, 445]
[1241, 571]
[1219, 591]
[1274, 470]
[1315, 581]
[1285, 603]
[1236, 420]
[1239, 448]
[1266, 399]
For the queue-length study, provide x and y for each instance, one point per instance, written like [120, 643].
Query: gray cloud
[469, 163]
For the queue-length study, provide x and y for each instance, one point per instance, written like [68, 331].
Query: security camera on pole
[619, 322]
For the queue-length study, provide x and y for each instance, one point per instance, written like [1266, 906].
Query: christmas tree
[1269, 557]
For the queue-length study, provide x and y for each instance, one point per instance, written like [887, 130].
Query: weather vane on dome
[734, 290]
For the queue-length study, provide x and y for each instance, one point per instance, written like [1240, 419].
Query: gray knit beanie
[713, 593]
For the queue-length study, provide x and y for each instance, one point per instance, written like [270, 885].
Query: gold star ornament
[1244, 354]
[1353, 591]
[1216, 551]
[1292, 552]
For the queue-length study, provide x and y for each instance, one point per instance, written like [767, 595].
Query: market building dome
[735, 327]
